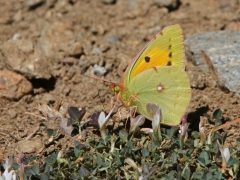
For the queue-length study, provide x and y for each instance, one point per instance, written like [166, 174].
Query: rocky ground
[48, 46]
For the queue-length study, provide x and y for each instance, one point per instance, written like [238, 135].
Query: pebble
[13, 86]
[21, 56]
[30, 146]
[99, 69]
[109, 1]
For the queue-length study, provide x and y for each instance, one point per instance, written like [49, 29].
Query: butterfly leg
[112, 103]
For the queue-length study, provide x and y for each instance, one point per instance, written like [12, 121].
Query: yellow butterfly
[157, 75]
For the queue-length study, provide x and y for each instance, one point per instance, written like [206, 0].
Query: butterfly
[157, 75]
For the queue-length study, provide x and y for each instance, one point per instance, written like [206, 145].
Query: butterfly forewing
[166, 49]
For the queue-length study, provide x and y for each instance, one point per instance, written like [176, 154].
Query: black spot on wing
[170, 54]
[147, 59]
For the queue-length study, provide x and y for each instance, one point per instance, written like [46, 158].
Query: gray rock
[223, 49]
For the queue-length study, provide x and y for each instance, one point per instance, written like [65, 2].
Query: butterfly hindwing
[168, 87]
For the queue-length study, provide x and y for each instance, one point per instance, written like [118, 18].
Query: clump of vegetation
[163, 153]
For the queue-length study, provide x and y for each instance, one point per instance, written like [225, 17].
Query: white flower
[136, 121]
[9, 174]
[156, 113]
[225, 154]
[102, 121]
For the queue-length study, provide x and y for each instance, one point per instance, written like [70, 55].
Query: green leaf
[197, 175]
[145, 169]
[187, 157]
[70, 122]
[196, 142]
[48, 169]
[52, 159]
[123, 135]
[75, 114]
[217, 122]
[77, 152]
[174, 158]
[78, 145]
[136, 148]
[204, 158]
[209, 118]
[186, 173]
[213, 168]
[145, 152]
[51, 132]
[35, 169]
[208, 176]
[44, 176]
[217, 114]
[171, 175]
[100, 161]
[238, 141]
[195, 134]
[117, 160]
[218, 175]
[83, 172]
[171, 132]
[152, 170]
[232, 161]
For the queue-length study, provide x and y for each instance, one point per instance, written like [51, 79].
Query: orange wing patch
[155, 57]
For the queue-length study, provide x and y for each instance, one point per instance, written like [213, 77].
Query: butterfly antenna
[101, 79]
[101, 100]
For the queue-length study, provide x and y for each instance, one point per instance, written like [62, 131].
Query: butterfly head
[115, 88]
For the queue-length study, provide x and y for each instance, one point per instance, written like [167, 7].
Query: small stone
[109, 1]
[32, 4]
[69, 60]
[99, 70]
[74, 49]
[233, 26]
[16, 36]
[30, 146]
[97, 50]
[12, 113]
[22, 57]
[50, 3]
[170, 4]
[6, 20]
[66, 91]
[49, 98]
[13, 86]
[197, 80]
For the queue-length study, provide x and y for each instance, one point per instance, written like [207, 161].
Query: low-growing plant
[164, 154]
